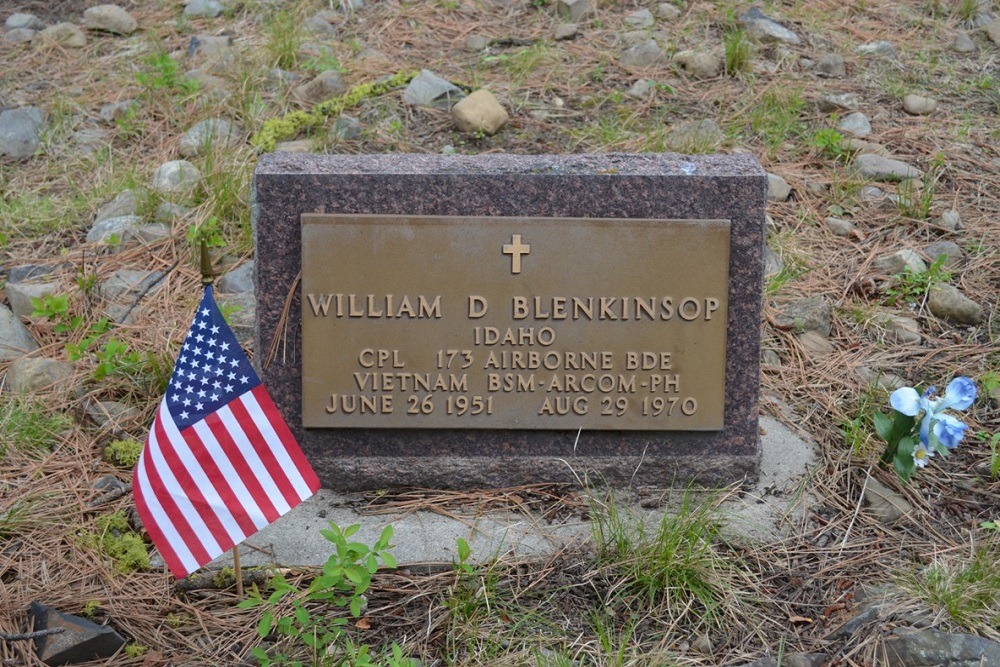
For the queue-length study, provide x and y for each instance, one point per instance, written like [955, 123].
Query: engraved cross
[515, 249]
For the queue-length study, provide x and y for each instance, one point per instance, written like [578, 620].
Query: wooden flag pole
[207, 278]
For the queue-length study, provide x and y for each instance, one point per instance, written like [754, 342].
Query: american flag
[219, 463]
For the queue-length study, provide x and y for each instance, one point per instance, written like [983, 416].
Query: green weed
[857, 430]
[775, 117]
[738, 51]
[161, 73]
[912, 287]
[29, 426]
[966, 588]
[915, 202]
[283, 38]
[829, 143]
[967, 9]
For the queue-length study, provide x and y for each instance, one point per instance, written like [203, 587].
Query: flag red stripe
[287, 439]
[191, 489]
[232, 502]
[260, 444]
[239, 462]
[163, 545]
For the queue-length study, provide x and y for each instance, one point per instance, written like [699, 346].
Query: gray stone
[948, 303]
[885, 505]
[667, 11]
[812, 314]
[277, 77]
[839, 227]
[646, 54]
[778, 189]
[89, 140]
[207, 83]
[880, 48]
[130, 283]
[25, 21]
[211, 47]
[20, 35]
[430, 90]
[20, 295]
[993, 31]
[80, 640]
[29, 375]
[175, 177]
[929, 648]
[773, 264]
[640, 89]
[771, 358]
[951, 251]
[477, 43]
[210, 133]
[855, 123]
[634, 37]
[642, 18]
[831, 66]
[805, 660]
[204, 9]
[564, 31]
[296, 146]
[324, 86]
[917, 105]
[963, 43]
[838, 102]
[346, 128]
[695, 136]
[950, 220]
[15, 340]
[242, 308]
[899, 329]
[237, 281]
[111, 413]
[880, 168]
[479, 112]
[109, 18]
[319, 27]
[167, 212]
[113, 229]
[881, 379]
[701, 64]
[150, 232]
[862, 147]
[766, 29]
[870, 192]
[901, 261]
[815, 344]
[574, 10]
[126, 203]
[23, 272]
[63, 34]
[20, 131]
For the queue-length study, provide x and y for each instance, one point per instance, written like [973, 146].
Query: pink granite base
[665, 186]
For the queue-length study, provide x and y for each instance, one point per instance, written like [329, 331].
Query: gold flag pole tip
[207, 276]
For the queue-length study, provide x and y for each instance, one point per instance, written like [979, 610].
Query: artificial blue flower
[949, 430]
[959, 394]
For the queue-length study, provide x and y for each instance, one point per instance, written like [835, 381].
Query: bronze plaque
[513, 323]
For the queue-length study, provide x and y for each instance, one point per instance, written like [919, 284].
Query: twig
[24, 636]
[113, 494]
[147, 289]
[282, 323]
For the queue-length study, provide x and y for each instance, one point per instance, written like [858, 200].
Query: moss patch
[123, 453]
[116, 540]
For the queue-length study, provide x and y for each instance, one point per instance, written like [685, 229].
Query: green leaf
[883, 426]
[350, 530]
[389, 560]
[464, 550]
[302, 616]
[265, 625]
[358, 574]
[356, 607]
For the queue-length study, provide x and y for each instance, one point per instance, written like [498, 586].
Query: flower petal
[949, 430]
[960, 394]
[920, 455]
[905, 400]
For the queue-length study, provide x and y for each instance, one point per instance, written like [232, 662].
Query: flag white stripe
[160, 517]
[176, 491]
[201, 480]
[274, 442]
[240, 489]
[253, 459]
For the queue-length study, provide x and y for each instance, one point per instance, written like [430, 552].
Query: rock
[109, 18]
[29, 375]
[208, 84]
[479, 112]
[881, 379]
[346, 128]
[642, 18]
[175, 177]
[773, 264]
[168, 212]
[860, 146]
[238, 281]
[885, 505]
[771, 358]
[815, 344]
[204, 9]
[963, 43]
[80, 640]
[667, 11]
[915, 105]
[243, 315]
[950, 220]
[63, 34]
[703, 645]
[948, 303]
[150, 232]
[901, 261]
[933, 647]
[645, 54]
[564, 31]
[951, 252]
[427, 89]
[855, 123]
[899, 329]
[574, 10]
[880, 48]
[695, 136]
[641, 89]
[477, 43]
[24, 21]
[126, 203]
[839, 227]
[880, 168]
[701, 64]
[210, 133]
[993, 31]
[114, 231]
[812, 314]
[20, 35]
[210, 46]
[805, 660]
[24, 272]
[20, 295]
[324, 86]
[766, 29]
[15, 341]
[89, 140]
[778, 188]
[130, 283]
[831, 66]
[838, 102]
[20, 131]
[319, 27]
[111, 413]
[296, 146]
[870, 192]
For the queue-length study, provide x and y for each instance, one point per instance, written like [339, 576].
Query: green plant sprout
[912, 286]
[830, 143]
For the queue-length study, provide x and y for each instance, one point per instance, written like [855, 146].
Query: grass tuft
[30, 426]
